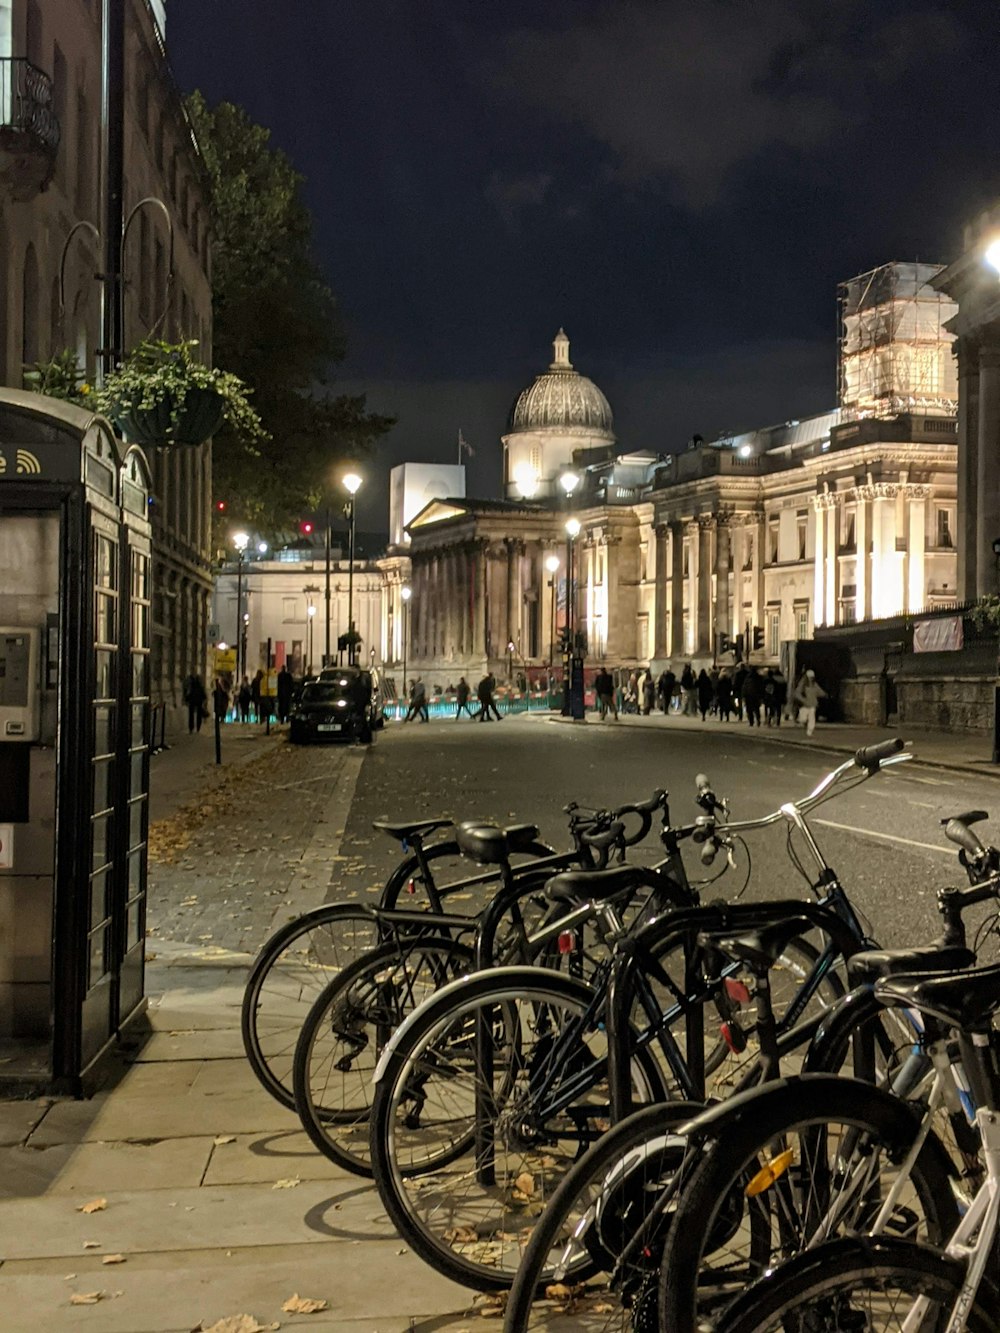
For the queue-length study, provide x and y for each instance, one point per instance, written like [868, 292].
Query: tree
[276, 325]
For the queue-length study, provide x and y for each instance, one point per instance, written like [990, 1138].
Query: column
[478, 577]
[660, 648]
[883, 558]
[703, 630]
[819, 564]
[513, 592]
[863, 559]
[988, 471]
[676, 589]
[916, 543]
[723, 609]
[760, 547]
[968, 450]
[832, 580]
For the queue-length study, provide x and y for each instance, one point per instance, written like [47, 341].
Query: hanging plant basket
[191, 422]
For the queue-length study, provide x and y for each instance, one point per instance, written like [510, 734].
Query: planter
[199, 417]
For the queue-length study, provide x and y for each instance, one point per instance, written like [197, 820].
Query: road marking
[886, 837]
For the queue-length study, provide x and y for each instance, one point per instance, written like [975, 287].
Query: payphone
[19, 683]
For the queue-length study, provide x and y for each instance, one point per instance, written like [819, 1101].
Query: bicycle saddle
[962, 1000]
[760, 948]
[872, 965]
[573, 885]
[406, 830]
[491, 845]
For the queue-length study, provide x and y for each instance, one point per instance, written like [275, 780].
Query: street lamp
[241, 541]
[552, 565]
[569, 481]
[572, 532]
[405, 594]
[352, 484]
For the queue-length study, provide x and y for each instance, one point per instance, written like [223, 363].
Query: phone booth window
[139, 595]
[105, 649]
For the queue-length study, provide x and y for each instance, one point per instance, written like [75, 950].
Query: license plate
[329, 726]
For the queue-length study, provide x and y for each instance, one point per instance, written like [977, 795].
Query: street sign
[214, 634]
[225, 661]
[269, 685]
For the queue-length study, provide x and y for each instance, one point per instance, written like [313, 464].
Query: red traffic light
[220, 506]
[306, 527]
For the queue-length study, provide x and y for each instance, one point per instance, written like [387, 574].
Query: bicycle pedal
[737, 991]
[734, 1037]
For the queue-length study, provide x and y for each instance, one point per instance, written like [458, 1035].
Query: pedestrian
[245, 699]
[769, 696]
[648, 694]
[724, 695]
[220, 699]
[462, 696]
[808, 693]
[713, 675]
[780, 694]
[753, 697]
[706, 692]
[739, 680]
[195, 696]
[689, 692]
[418, 702]
[256, 689]
[284, 692]
[669, 686]
[604, 688]
[484, 693]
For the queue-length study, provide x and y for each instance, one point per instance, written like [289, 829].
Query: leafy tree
[276, 325]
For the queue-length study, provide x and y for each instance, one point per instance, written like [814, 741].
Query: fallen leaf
[288, 1184]
[558, 1291]
[91, 1244]
[236, 1323]
[113, 1259]
[525, 1182]
[223, 1138]
[94, 1206]
[85, 1297]
[303, 1305]
[69, 1277]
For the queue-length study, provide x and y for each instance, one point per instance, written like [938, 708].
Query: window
[801, 524]
[847, 538]
[748, 552]
[82, 153]
[145, 269]
[687, 558]
[773, 632]
[944, 536]
[29, 309]
[847, 604]
[643, 562]
[802, 620]
[772, 539]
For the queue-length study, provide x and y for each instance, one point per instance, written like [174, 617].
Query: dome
[562, 399]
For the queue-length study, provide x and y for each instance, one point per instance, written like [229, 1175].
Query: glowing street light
[405, 594]
[569, 481]
[241, 540]
[992, 254]
[552, 563]
[352, 484]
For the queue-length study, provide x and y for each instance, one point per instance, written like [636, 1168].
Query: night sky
[681, 185]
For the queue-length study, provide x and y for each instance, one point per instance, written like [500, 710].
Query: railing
[26, 101]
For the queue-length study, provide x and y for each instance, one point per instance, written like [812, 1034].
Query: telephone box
[75, 574]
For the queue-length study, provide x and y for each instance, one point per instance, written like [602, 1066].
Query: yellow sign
[225, 661]
[269, 685]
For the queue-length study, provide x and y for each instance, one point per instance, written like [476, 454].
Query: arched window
[29, 309]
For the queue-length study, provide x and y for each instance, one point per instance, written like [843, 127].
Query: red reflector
[737, 991]
[411, 886]
[567, 940]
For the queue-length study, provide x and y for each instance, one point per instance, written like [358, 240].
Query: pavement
[181, 1195]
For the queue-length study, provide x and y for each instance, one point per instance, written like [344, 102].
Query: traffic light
[220, 506]
[758, 638]
[306, 528]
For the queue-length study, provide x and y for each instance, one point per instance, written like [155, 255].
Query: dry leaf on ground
[113, 1259]
[303, 1305]
[223, 1138]
[85, 1297]
[91, 1244]
[525, 1182]
[558, 1291]
[236, 1323]
[288, 1184]
[94, 1206]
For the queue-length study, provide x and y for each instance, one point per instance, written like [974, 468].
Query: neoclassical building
[831, 520]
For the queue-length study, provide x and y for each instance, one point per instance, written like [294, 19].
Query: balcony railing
[29, 127]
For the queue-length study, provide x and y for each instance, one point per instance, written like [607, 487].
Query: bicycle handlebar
[870, 757]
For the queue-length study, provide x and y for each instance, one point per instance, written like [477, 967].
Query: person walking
[604, 688]
[220, 699]
[669, 682]
[463, 693]
[284, 693]
[780, 694]
[808, 693]
[724, 695]
[706, 692]
[689, 692]
[195, 696]
[648, 694]
[245, 699]
[739, 680]
[256, 686]
[418, 702]
[484, 693]
[753, 697]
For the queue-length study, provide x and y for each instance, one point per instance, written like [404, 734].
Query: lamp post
[991, 257]
[552, 565]
[311, 613]
[570, 687]
[241, 541]
[405, 594]
[352, 484]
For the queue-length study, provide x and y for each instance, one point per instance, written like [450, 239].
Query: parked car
[339, 706]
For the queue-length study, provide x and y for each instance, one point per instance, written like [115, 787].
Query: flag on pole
[464, 446]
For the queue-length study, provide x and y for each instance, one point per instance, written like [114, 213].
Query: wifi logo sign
[27, 463]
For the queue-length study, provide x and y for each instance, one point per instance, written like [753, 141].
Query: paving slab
[160, 1293]
[18, 1119]
[190, 1043]
[257, 1158]
[105, 1118]
[96, 1168]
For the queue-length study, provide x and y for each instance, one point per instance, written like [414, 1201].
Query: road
[884, 838]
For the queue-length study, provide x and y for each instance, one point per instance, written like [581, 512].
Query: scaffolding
[895, 353]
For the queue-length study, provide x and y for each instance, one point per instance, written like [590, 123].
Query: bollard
[218, 738]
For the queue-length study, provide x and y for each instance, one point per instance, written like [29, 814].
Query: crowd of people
[760, 695]
[246, 702]
[462, 694]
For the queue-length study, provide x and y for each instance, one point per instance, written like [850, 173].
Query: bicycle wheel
[790, 1164]
[300, 958]
[346, 1030]
[462, 1188]
[574, 1263]
[860, 1285]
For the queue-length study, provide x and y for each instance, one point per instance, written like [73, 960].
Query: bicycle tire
[270, 1047]
[810, 1292]
[418, 1210]
[752, 1130]
[376, 991]
[569, 1204]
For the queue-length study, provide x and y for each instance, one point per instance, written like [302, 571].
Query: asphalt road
[884, 838]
